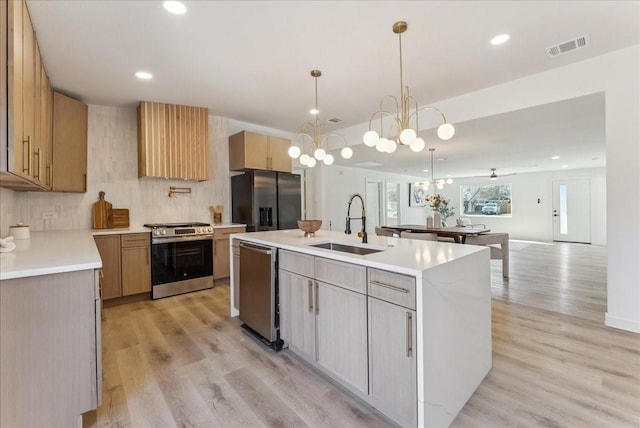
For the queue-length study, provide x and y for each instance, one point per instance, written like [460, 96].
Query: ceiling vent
[568, 46]
[334, 120]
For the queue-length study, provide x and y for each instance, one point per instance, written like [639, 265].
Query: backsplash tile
[112, 161]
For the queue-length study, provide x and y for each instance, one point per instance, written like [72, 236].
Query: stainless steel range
[181, 258]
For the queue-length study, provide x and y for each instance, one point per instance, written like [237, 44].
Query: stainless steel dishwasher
[259, 292]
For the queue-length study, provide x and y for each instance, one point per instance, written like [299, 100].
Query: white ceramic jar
[20, 231]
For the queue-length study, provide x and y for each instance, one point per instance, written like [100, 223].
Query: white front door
[572, 210]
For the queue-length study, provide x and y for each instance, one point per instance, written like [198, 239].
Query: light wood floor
[181, 361]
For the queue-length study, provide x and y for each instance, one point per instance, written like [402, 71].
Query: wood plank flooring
[182, 362]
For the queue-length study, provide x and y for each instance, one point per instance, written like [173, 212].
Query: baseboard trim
[621, 323]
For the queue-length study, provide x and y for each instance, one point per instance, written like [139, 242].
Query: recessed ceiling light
[425, 170]
[500, 39]
[564, 166]
[314, 111]
[555, 157]
[144, 75]
[175, 7]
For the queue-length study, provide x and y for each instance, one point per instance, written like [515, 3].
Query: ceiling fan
[492, 176]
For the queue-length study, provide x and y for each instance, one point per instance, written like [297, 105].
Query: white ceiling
[250, 61]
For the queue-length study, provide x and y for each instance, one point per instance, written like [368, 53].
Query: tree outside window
[486, 200]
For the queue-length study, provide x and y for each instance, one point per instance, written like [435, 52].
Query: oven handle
[156, 241]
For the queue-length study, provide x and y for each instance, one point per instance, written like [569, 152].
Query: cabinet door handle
[389, 286]
[409, 335]
[37, 153]
[48, 169]
[310, 296]
[317, 301]
[28, 157]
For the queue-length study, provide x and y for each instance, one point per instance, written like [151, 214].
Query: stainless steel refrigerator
[266, 200]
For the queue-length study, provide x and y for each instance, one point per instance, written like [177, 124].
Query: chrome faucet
[363, 233]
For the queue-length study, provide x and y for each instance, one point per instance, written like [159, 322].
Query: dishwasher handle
[256, 248]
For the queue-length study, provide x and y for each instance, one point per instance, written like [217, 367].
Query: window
[486, 200]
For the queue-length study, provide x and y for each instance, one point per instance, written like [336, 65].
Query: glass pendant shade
[346, 153]
[370, 138]
[311, 162]
[294, 152]
[407, 136]
[391, 146]
[381, 145]
[304, 159]
[319, 154]
[328, 159]
[446, 131]
[417, 145]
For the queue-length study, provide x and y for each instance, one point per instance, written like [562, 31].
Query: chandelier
[439, 183]
[312, 134]
[402, 120]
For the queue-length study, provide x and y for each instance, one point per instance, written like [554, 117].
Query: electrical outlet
[48, 215]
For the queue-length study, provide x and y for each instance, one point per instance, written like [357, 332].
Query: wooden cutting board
[101, 212]
[119, 218]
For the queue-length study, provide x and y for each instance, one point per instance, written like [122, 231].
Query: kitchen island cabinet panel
[109, 249]
[392, 361]
[50, 360]
[297, 314]
[342, 334]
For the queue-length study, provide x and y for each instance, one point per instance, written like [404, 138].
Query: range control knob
[163, 232]
[199, 230]
[210, 229]
[156, 232]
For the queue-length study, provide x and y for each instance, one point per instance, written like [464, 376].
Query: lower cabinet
[136, 263]
[357, 324]
[392, 361]
[326, 323]
[221, 263]
[126, 267]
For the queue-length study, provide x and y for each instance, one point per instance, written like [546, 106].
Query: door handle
[310, 296]
[317, 301]
[409, 335]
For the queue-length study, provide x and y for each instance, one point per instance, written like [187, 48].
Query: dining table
[459, 234]
[466, 234]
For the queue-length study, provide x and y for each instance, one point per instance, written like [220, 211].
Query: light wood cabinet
[136, 263]
[126, 264]
[25, 145]
[70, 133]
[221, 261]
[173, 141]
[250, 150]
[110, 280]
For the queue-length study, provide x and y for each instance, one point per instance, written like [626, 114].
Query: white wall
[339, 183]
[617, 75]
[531, 220]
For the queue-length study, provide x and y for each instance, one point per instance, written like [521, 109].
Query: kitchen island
[50, 347]
[407, 327]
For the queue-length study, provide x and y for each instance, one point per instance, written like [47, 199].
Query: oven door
[181, 259]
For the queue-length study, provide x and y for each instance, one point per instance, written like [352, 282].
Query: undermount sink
[352, 249]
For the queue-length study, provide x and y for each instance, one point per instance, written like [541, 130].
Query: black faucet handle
[347, 230]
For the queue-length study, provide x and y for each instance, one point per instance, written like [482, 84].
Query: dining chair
[417, 235]
[381, 231]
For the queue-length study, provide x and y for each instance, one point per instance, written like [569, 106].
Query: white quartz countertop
[227, 225]
[402, 255]
[51, 252]
[121, 231]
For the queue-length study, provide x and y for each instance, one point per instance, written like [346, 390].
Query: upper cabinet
[70, 124]
[173, 141]
[249, 150]
[25, 141]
